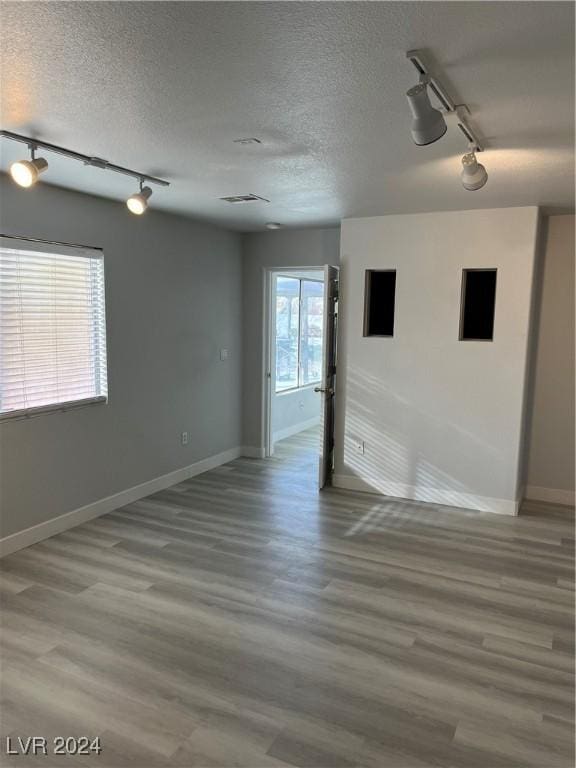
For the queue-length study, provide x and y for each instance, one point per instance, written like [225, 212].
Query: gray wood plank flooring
[242, 619]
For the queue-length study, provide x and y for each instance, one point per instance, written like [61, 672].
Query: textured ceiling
[166, 87]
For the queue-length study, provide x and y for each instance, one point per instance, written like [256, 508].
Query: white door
[328, 386]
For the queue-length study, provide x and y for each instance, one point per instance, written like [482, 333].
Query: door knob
[326, 390]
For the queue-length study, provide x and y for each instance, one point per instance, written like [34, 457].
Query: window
[379, 300]
[478, 305]
[312, 315]
[299, 318]
[52, 326]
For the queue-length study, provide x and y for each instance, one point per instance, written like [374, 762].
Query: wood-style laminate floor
[243, 619]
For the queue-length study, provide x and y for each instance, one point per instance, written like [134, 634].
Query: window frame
[287, 390]
[70, 249]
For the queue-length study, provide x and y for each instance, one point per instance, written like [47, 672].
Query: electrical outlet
[184, 438]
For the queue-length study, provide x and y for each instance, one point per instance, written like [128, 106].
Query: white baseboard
[61, 523]
[253, 452]
[551, 495]
[432, 495]
[259, 452]
[282, 434]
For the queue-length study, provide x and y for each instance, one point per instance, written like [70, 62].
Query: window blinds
[52, 326]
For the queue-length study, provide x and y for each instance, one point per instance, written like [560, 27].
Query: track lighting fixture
[25, 172]
[138, 202]
[273, 225]
[474, 175]
[428, 124]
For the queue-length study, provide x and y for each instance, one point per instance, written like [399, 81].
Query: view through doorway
[300, 360]
[297, 342]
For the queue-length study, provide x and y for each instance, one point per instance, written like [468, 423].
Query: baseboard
[282, 434]
[551, 495]
[44, 530]
[253, 452]
[432, 495]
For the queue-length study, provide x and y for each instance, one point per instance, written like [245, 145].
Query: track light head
[474, 175]
[139, 202]
[25, 172]
[428, 124]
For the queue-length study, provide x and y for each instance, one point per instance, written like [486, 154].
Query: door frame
[267, 443]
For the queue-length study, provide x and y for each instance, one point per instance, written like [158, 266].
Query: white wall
[551, 438]
[294, 411]
[261, 250]
[441, 418]
[173, 300]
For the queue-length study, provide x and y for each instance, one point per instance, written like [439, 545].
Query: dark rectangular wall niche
[478, 304]
[379, 297]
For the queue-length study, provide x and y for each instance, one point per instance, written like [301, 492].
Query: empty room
[287, 393]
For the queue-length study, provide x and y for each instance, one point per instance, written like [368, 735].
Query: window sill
[29, 413]
[290, 391]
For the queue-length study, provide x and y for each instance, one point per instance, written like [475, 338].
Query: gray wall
[278, 248]
[551, 451]
[173, 299]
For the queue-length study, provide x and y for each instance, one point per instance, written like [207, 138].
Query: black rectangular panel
[379, 300]
[478, 304]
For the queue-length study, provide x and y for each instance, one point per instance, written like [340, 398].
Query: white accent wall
[441, 420]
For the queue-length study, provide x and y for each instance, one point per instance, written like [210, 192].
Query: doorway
[300, 365]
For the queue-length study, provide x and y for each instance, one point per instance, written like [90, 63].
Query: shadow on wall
[393, 464]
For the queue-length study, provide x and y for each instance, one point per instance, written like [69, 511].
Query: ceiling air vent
[244, 199]
[250, 140]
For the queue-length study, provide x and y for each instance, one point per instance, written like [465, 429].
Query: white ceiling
[165, 88]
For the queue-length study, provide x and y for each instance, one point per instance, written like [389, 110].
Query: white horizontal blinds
[52, 326]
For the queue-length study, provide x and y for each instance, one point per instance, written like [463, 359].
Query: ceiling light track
[446, 102]
[429, 124]
[95, 162]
